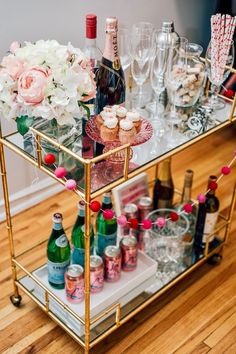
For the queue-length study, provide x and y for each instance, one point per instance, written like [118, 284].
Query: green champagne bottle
[106, 229]
[77, 237]
[58, 253]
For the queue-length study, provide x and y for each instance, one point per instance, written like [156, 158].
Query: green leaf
[23, 124]
[86, 108]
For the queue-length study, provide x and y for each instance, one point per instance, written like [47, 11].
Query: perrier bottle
[77, 237]
[58, 253]
[106, 229]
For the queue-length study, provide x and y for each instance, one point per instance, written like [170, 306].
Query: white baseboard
[30, 196]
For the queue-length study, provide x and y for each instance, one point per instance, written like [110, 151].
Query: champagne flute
[124, 47]
[218, 75]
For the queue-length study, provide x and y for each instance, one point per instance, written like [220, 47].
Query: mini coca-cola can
[96, 274]
[131, 212]
[112, 264]
[144, 208]
[74, 283]
[129, 252]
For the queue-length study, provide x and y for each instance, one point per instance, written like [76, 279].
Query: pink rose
[13, 66]
[31, 85]
[14, 46]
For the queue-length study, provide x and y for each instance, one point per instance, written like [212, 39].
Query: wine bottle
[77, 237]
[212, 210]
[186, 199]
[200, 222]
[110, 77]
[164, 188]
[106, 229]
[58, 253]
[91, 51]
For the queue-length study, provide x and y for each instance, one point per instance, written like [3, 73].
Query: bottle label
[97, 280]
[61, 241]
[78, 255]
[210, 222]
[56, 271]
[104, 241]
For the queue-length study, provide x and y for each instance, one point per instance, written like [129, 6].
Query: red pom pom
[213, 185]
[95, 206]
[188, 208]
[225, 170]
[147, 224]
[174, 216]
[133, 223]
[49, 159]
[108, 214]
[229, 93]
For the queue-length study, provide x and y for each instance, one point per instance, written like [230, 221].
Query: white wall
[65, 21]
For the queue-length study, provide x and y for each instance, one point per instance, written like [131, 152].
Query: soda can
[144, 208]
[131, 212]
[112, 264]
[74, 280]
[129, 252]
[96, 274]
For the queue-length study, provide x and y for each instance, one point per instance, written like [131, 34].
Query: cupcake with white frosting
[106, 113]
[134, 117]
[109, 129]
[127, 131]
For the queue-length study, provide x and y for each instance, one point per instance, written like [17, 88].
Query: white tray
[130, 285]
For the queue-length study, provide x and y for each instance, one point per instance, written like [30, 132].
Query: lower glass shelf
[129, 293]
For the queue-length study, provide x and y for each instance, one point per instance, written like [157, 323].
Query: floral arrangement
[45, 79]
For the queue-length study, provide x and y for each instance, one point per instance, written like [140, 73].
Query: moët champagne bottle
[164, 188]
[106, 229]
[77, 237]
[58, 253]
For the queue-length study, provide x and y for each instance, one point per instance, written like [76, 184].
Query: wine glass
[217, 74]
[141, 48]
[175, 76]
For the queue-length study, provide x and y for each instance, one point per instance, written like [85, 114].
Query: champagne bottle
[212, 210]
[106, 229]
[58, 253]
[163, 189]
[91, 51]
[110, 77]
[186, 199]
[77, 237]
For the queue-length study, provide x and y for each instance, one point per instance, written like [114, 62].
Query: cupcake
[134, 117]
[105, 114]
[121, 113]
[127, 131]
[109, 129]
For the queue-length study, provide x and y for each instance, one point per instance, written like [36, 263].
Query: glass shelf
[106, 171]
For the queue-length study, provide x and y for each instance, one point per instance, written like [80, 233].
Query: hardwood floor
[197, 316]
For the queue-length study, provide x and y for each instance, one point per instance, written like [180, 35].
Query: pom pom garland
[108, 214]
[49, 159]
[201, 198]
[225, 170]
[188, 208]
[146, 224]
[60, 172]
[70, 184]
[133, 223]
[122, 220]
[161, 222]
[95, 206]
[174, 216]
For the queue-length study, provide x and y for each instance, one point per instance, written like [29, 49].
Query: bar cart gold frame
[88, 196]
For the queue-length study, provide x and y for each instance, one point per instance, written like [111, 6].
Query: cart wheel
[16, 300]
[215, 259]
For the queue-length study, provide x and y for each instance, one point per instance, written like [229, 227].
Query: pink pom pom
[122, 220]
[188, 208]
[225, 170]
[161, 221]
[146, 224]
[201, 198]
[108, 214]
[60, 172]
[70, 184]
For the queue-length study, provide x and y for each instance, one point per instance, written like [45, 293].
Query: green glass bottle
[58, 253]
[106, 229]
[77, 237]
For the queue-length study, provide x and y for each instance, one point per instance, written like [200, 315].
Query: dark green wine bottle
[58, 253]
[164, 188]
[106, 229]
[77, 237]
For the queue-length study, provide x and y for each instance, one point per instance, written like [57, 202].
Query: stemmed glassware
[218, 75]
[124, 47]
[141, 50]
